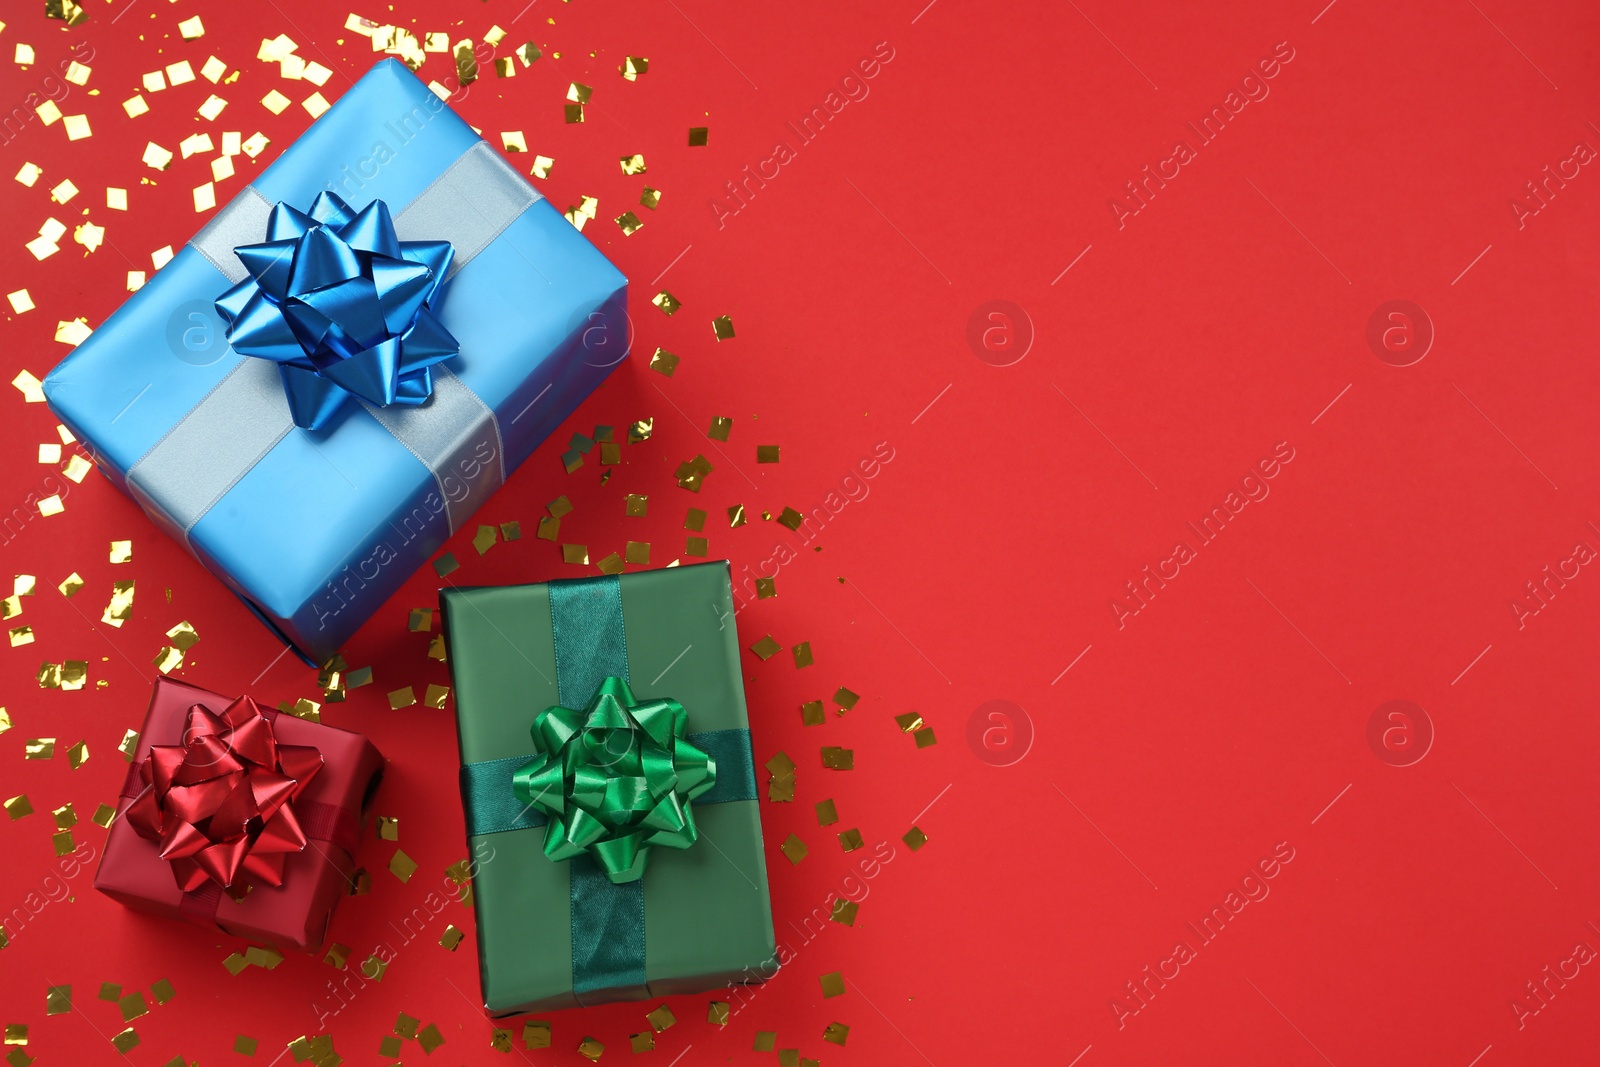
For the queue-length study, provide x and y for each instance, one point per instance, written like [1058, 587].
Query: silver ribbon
[454, 433]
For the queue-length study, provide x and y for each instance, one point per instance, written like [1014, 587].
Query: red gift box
[326, 809]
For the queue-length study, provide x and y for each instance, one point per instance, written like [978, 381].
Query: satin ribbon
[221, 805]
[607, 914]
[342, 306]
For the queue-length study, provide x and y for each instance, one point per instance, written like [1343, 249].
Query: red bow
[221, 804]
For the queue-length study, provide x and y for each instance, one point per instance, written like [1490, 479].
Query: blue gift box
[315, 528]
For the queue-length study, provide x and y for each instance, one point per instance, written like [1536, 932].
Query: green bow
[615, 779]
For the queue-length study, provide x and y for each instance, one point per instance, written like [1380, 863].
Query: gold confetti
[315, 104]
[77, 127]
[513, 141]
[668, 303]
[21, 635]
[180, 73]
[838, 759]
[18, 806]
[914, 838]
[21, 302]
[245, 1046]
[161, 990]
[39, 748]
[637, 552]
[793, 849]
[435, 696]
[642, 1042]
[402, 698]
[275, 102]
[103, 815]
[402, 866]
[234, 963]
[835, 1033]
[129, 744]
[641, 430]
[57, 999]
[650, 198]
[766, 648]
[802, 655]
[485, 538]
[430, 1038]
[120, 608]
[559, 507]
[766, 453]
[121, 551]
[527, 53]
[168, 659]
[542, 166]
[213, 70]
[579, 93]
[722, 327]
[191, 29]
[812, 713]
[629, 223]
[850, 840]
[766, 588]
[388, 828]
[924, 737]
[500, 1040]
[49, 676]
[736, 516]
[717, 1013]
[126, 1041]
[661, 1018]
[766, 1040]
[184, 636]
[696, 546]
[633, 164]
[791, 518]
[452, 937]
[832, 984]
[698, 136]
[590, 1049]
[578, 554]
[573, 113]
[511, 531]
[633, 66]
[549, 528]
[72, 14]
[445, 564]
[536, 1035]
[78, 754]
[908, 722]
[664, 362]
[612, 564]
[337, 955]
[133, 1006]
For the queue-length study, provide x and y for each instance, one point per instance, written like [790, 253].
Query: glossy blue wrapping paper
[328, 523]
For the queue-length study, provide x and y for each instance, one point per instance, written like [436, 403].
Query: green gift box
[609, 789]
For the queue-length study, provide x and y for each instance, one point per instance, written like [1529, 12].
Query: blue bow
[342, 305]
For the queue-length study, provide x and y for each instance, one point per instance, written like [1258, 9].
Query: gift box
[238, 817]
[347, 360]
[609, 789]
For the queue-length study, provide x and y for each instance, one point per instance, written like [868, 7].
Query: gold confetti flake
[845, 699]
[664, 362]
[691, 474]
[205, 197]
[811, 713]
[717, 1013]
[850, 840]
[155, 157]
[549, 528]
[168, 659]
[791, 519]
[5, 720]
[103, 816]
[914, 838]
[445, 564]
[505, 67]
[121, 551]
[120, 609]
[57, 999]
[77, 127]
[117, 199]
[780, 764]
[135, 106]
[832, 984]
[542, 166]
[838, 759]
[827, 812]
[559, 507]
[612, 564]
[48, 113]
[802, 655]
[125, 1041]
[336, 956]
[578, 554]
[402, 698]
[513, 141]
[72, 14]
[766, 453]
[21, 635]
[766, 648]
[129, 744]
[661, 1018]
[24, 53]
[485, 538]
[402, 866]
[642, 1042]
[637, 552]
[536, 1035]
[214, 106]
[245, 1046]
[78, 754]
[640, 431]
[908, 722]
[77, 73]
[49, 676]
[697, 547]
[835, 1033]
[388, 828]
[254, 145]
[766, 588]
[64, 191]
[10, 607]
[736, 516]
[633, 66]
[573, 113]
[180, 73]
[154, 82]
[722, 327]
[511, 531]
[213, 69]
[275, 102]
[234, 964]
[21, 302]
[183, 635]
[590, 1049]
[668, 303]
[191, 29]
[451, 938]
[18, 806]
[221, 168]
[924, 737]
[636, 504]
[420, 621]
[650, 198]
[73, 332]
[698, 136]
[695, 520]
[133, 1006]
[579, 93]
[29, 174]
[629, 223]
[793, 849]
[633, 164]
[766, 1040]
[435, 696]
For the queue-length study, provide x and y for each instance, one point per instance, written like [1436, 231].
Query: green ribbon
[609, 782]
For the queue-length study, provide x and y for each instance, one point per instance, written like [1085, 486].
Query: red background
[1227, 716]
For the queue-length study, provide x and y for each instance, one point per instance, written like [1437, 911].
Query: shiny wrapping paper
[321, 526]
[707, 916]
[292, 915]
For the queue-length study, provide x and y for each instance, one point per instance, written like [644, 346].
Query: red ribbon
[221, 804]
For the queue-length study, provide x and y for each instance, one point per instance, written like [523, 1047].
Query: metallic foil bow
[615, 779]
[342, 305]
[221, 804]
